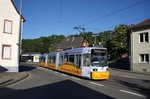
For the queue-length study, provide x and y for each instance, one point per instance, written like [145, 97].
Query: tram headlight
[95, 69]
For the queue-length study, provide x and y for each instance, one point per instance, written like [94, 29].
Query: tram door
[78, 64]
[86, 65]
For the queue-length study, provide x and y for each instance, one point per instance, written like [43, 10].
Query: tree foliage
[115, 41]
[42, 44]
[119, 40]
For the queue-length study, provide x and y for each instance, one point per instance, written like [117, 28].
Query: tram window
[66, 58]
[54, 59]
[61, 60]
[42, 59]
[86, 59]
[51, 59]
[78, 59]
[71, 59]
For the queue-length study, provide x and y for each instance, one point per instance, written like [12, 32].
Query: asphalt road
[44, 83]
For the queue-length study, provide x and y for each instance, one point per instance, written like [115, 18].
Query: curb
[11, 81]
[130, 71]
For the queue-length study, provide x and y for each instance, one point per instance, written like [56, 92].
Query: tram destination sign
[98, 51]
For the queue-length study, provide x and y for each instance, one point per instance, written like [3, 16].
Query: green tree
[105, 39]
[42, 44]
[119, 41]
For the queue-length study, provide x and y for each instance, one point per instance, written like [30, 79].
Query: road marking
[50, 70]
[96, 84]
[56, 72]
[64, 75]
[133, 93]
[46, 69]
[129, 76]
[124, 76]
[75, 78]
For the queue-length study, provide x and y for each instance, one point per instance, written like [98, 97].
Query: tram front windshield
[98, 57]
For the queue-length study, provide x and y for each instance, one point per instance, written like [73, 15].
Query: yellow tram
[88, 62]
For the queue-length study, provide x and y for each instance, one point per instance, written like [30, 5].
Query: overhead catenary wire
[60, 11]
[97, 30]
[114, 12]
[61, 21]
[111, 26]
[125, 22]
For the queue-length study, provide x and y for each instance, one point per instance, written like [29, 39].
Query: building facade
[140, 47]
[9, 36]
[30, 57]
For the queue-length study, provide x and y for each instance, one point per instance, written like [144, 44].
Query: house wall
[8, 12]
[138, 48]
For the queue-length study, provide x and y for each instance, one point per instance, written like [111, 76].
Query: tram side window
[71, 59]
[78, 60]
[52, 59]
[49, 59]
[61, 60]
[66, 58]
[86, 59]
[42, 59]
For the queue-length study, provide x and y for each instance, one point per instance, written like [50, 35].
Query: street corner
[7, 78]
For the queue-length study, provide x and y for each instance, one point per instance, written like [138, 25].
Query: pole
[20, 32]
[95, 40]
[94, 35]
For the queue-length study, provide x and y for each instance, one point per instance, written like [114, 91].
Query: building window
[144, 58]
[8, 26]
[6, 51]
[143, 37]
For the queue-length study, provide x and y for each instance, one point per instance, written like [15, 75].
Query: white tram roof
[82, 50]
[76, 51]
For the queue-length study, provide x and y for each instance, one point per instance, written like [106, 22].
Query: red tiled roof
[145, 23]
[72, 42]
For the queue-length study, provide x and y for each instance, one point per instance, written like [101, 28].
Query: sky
[59, 17]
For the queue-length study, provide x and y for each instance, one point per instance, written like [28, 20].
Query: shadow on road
[25, 67]
[120, 64]
[146, 81]
[60, 90]
[136, 87]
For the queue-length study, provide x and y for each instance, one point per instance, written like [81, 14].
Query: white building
[30, 57]
[140, 47]
[9, 35]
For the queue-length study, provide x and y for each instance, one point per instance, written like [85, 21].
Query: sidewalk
[129, 74]
[129, 71]
[10, 78]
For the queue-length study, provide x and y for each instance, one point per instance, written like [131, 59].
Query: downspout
[131, 51]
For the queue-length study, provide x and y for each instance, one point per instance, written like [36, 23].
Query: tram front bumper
[99, 75]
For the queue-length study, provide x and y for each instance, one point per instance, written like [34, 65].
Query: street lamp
[94, 35]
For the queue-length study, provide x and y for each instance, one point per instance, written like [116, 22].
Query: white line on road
[124, 76]
[133, 93]
[50, 70]
[56, 72]
[96, 84]
[129, 76]
[64, 75]
[75, 78]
